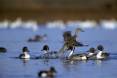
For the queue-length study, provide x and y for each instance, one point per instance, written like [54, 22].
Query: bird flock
[71, 42]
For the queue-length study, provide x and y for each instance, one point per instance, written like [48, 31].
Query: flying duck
[70, 41]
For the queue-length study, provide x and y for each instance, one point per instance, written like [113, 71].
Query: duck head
[92, 53]
[25, 49]
[45, 48]
[52, 69]
[100, 47]
[79, 30]
[92, 50]
[47, 73]
[76, 32]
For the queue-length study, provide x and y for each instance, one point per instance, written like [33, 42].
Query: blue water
[15, 39]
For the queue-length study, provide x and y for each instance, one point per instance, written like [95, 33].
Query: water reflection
[98, 62]
[71, 64]
[46, 61]
[24, 61]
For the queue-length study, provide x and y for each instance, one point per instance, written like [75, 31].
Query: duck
[70, 41]
[45, 49]
[101, 53]
[47, 73]
[71, 48]
[37, 38]
[79, 57]
[48, 53]
[77, 31]
[3, 50]
[91, 53]
[67, 35]
[25, 54]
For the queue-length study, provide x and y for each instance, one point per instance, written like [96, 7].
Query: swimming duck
[25, 54]
[101, 54]
[72, 56]
[92, 53]
[47, 53]
[78, 57]
[47, 73]
[3, 50]
[45, 49]
[37, 38]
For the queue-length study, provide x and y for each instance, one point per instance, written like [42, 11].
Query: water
[15, 39]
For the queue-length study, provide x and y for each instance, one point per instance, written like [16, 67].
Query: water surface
[15, 39]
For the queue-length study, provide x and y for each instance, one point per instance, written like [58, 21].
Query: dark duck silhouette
[51, 73]
[37, 38]
[3, 50]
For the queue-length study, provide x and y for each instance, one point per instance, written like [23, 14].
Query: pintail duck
[25, 54]
[3, 50]
[92, 53]
[45, 49]
[101, 53]
[47, 53]
[70, 41]
[71, 48]
[47, 73]
[79, 57]
[77, 31]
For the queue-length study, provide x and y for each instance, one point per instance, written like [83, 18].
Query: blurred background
[34, 23]
[47, 10]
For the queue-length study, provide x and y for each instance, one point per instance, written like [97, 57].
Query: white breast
[44, 75]
[84, 57]
[90, 54]
[99, 55]
[26, 55]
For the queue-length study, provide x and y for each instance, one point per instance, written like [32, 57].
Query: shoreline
[46, 15]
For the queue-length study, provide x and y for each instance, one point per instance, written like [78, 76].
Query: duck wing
[79, 44]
